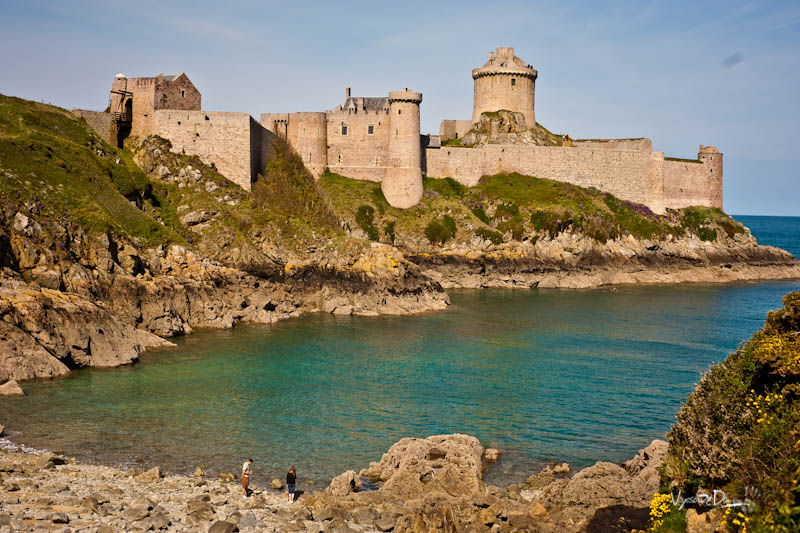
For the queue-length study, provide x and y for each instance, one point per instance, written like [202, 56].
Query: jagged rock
[11, 388]
[277, 484]
[223, 527]
[154, 474]
[415, 467]
[537, 510]
[135, 514]
[344, 484]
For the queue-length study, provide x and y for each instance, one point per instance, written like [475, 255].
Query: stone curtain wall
[687, 184]
[222, 138]
[100, 122]
[637, 176]
[358, 155]
[643, 144]
[454, 129]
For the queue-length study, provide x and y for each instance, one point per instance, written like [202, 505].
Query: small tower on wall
[505, 82]
[712, 160]
[402, 184]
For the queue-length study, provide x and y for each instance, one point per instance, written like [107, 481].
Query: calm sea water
[545, 375]
[783, 232]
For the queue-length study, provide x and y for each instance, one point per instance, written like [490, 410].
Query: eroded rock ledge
[433, 484]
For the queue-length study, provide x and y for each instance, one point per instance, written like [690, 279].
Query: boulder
[154, 474]
[11, 388]
[277, 484]
[221, 526]
[413, 468]
[344, 484]
[492, 455]
[2, 429]
[537, 510]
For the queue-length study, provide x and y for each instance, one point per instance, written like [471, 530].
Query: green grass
[522, 207]
[49, 158]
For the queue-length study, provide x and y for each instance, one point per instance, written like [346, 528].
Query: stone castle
[378, 139]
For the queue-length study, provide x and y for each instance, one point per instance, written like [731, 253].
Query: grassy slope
[513, 206]
[741, 426]
[52, 166]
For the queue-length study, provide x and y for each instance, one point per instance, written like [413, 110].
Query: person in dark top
[291, 480]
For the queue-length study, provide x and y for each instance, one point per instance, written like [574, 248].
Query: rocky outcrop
[574, 261]
[413, 468]
[435, 484]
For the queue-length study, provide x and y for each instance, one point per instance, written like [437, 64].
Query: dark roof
[371, 103]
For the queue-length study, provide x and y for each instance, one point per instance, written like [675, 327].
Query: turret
[504, 82]
[402, 184]
[712, 160]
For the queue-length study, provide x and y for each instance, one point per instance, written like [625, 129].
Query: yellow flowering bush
[763, 403]
[779, 350]
[736, 520]
[660, 507]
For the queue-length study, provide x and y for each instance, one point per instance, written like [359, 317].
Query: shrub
[506, 211]
[707, 234]
[550, 222]
[441, 231]
[514, 225]
[479, 213]
[365, 215]
[740, 427]
[492, 236]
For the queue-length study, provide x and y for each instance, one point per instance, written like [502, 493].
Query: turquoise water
[783, 232]
[545, 375]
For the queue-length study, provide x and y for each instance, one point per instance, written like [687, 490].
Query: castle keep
[378, 139]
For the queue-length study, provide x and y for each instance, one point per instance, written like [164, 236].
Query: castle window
[183, 93]
[207, 118]
[513, 82]
[179, 123]
[396, 133]
[398, 111]
[340, 159]
[344, 129]
[370, 129]
[197, 134]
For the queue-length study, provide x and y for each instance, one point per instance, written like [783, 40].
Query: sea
[544, 375]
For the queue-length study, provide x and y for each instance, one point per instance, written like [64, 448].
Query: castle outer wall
[234, 142]
[638, 176]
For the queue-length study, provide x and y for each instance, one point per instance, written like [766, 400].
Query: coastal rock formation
[432, 484]
[572, 260]
[413, 468]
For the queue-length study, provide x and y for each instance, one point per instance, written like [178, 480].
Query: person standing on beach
[291, 480]
[246, 471]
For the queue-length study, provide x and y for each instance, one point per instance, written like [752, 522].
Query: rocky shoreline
[432, 484]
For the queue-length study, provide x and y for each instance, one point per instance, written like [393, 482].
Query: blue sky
[682, 73]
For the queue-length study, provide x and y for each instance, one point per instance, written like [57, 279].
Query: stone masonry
[378, 139]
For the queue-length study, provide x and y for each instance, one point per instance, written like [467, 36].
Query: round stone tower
[504, 82]
[711, 157]
[402, 184]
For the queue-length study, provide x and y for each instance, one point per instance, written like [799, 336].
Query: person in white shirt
[246, 472]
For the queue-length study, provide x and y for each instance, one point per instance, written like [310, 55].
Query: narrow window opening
[344, 129]
[207, 118]
[370, 129]
[179, 123]
[398, 111]
[183, 93]
[197, 134]
[396, 133]
[340, 159]
[513, 82]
